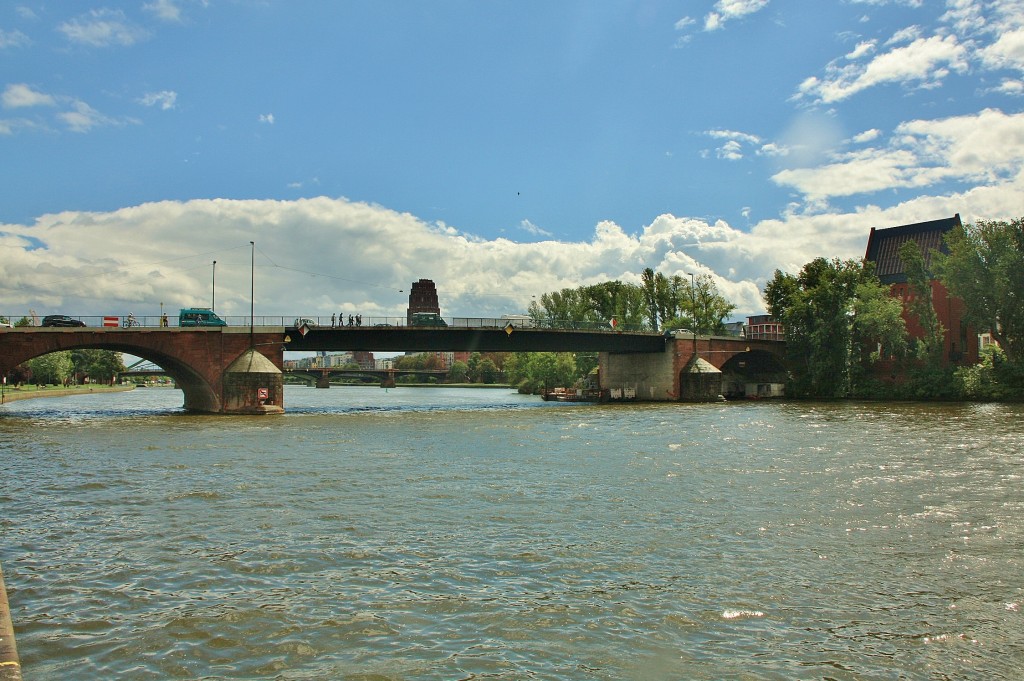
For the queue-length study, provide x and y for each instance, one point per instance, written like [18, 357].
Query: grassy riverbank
[28, 392]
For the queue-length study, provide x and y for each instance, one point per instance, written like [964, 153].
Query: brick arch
[195, 359]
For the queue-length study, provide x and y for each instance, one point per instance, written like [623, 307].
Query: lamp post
[693, 308]
[213, 289]
[252, 289]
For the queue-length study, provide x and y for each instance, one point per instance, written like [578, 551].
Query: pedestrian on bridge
[332, 320]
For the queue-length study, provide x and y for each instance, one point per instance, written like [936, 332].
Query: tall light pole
[252, 289]
[213, 289]
[693, 307]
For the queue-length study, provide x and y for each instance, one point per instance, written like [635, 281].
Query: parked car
[61, 320]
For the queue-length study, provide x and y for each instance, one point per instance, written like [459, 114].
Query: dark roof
[884, 245]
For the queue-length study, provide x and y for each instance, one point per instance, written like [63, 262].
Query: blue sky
[502, 149]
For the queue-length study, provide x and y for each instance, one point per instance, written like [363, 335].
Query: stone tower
[422, 298]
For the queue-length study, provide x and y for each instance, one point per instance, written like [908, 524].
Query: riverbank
[28, 392]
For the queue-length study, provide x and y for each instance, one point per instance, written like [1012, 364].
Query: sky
[501, 149]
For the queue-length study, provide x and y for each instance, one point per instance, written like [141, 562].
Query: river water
[467, 534]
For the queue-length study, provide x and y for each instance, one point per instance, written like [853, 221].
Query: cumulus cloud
[727, 10]
[366, 255]
[103, 28]
[984, 147]
[19, 95]
[924, 62]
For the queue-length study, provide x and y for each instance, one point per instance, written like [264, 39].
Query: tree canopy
[658, 303]
[836, 314]
[984, 266]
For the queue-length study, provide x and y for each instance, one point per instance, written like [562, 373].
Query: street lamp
[693, 308]
[213, 289]
[252, 289]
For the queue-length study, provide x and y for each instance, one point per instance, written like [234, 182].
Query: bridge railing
[322, 321]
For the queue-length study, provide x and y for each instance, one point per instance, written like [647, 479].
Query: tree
[458, 372]
[985, 268]
[488, 371]
[819, 309]
[54, 367]
[98, 365]
[921, 303]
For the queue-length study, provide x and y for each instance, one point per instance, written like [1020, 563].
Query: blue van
[199, 316]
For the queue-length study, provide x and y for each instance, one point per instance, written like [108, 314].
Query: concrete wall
[653, 375]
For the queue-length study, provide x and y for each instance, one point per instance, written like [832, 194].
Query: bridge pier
[697, 369]
[323, 380]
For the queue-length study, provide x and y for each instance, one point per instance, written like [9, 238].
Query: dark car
[61, 320]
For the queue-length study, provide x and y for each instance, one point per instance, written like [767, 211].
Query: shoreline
[16, 394]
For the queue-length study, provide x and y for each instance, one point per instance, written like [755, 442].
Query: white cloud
[727, 10]
[905, 35]
[13, 38]
[1006, 52]
[19, 95]
[165, 99]
[267, 118]
[867, 136]
[924, 61]
[987, 147]
[165, 10]
[862, 49]
[83, 118]
[175, 242]
[102, 28]
[531, 228]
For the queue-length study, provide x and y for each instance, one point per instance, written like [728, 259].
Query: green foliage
[985, 268]
[458, 372]
[98, 365]
[658, 303]
[921, 304]
[54, 367]
[533, 371]
[833, 312]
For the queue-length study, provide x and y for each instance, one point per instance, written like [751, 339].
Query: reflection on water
[446, 534]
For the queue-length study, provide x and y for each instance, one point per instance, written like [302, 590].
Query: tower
[422, 298]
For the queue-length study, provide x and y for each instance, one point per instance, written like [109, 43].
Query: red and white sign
[612, 323]
[262, 393]
[111, 321]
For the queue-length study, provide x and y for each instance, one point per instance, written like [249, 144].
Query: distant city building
[961, 342]
[422, 298]
[364, 359]
[764, 327]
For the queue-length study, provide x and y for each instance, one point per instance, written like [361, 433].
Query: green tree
[458, 372]
[921, 303]
[985, 268]
[819, 310]
[488, 371]
[98, 365]
[54, 367]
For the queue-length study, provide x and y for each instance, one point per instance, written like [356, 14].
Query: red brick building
[961, 341]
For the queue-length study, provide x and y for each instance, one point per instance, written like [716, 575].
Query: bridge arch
[753, 371]
[197, 360]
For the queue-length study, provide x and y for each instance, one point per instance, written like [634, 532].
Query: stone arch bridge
[239, 370]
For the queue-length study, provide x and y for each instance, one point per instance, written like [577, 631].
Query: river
[374, 535]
